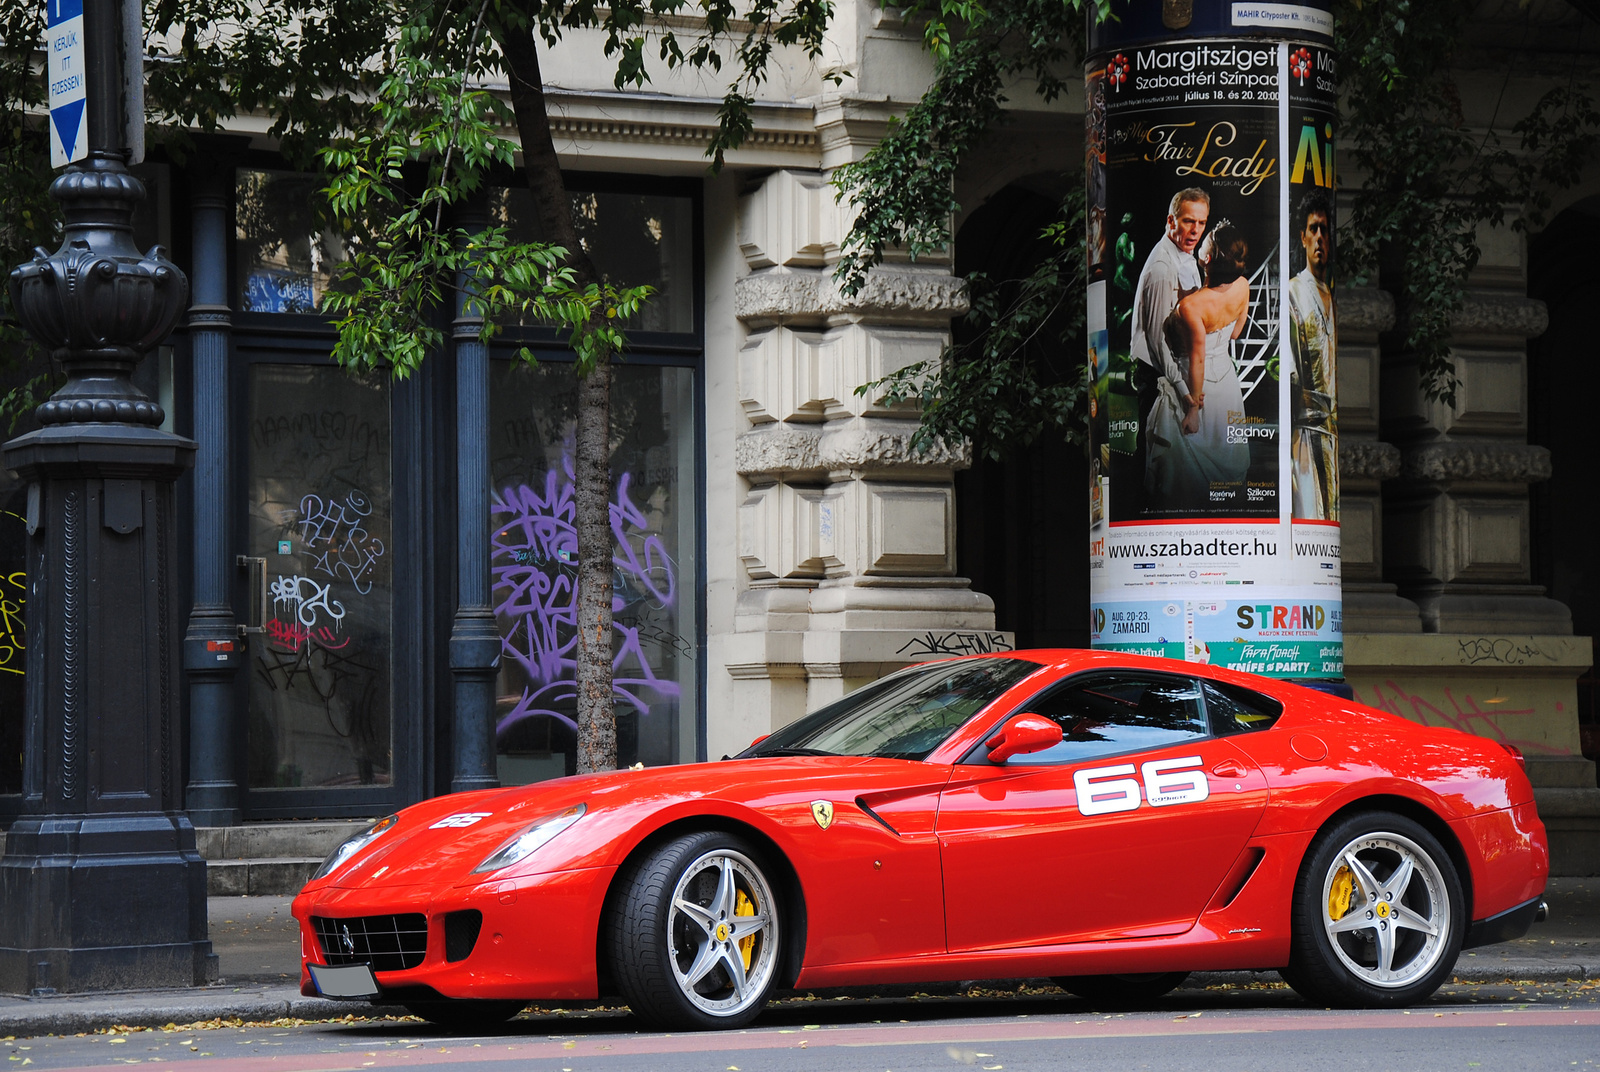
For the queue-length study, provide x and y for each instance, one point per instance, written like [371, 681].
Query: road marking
[924, 1033]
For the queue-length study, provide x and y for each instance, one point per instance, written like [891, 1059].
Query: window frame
[412, 679]
[671, 349]
[689, 344]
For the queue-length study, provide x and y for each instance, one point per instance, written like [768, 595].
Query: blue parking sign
[67, 75]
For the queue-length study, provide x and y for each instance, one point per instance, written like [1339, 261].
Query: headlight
[531, 838]
[353, 845]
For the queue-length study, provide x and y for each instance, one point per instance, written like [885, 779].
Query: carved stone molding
[1368, 459]
[776, 451]
[865, 445]
[1364, 309]
[596, 129]
[1501, 314]
[783, 295]
[1499, 462]
[1485, 313]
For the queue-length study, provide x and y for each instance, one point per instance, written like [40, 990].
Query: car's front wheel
[1378, 914]
[694, 933]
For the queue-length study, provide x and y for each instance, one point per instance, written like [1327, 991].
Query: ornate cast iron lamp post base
[101, 882]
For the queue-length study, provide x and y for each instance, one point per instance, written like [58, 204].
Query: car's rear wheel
[1378, 914]
[694, 933]
[1132, 989]
[465, 1015]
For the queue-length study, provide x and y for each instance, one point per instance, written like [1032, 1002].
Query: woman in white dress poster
[1191, 452]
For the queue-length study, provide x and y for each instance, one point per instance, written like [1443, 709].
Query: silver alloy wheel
[1385, 910]
[721, 901]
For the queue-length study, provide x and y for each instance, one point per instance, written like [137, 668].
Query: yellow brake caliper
[743, 906]
[1339, 894]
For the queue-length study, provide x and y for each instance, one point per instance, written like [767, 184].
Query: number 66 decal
[1103, 790]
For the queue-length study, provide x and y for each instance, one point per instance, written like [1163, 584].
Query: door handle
[1228, 769]
[256, 613]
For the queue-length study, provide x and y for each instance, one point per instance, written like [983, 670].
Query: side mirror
[1022, 734]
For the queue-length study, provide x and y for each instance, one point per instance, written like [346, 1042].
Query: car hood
[441, 841]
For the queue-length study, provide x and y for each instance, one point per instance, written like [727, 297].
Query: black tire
[1343, 931]
[1121, 990]
[464, 1016]
[685, 964]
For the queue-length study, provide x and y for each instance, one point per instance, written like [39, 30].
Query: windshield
[903, 716]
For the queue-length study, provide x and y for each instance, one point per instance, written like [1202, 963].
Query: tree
[1428, 186]
[27, 215]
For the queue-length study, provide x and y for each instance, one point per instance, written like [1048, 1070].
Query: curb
[66, 1016]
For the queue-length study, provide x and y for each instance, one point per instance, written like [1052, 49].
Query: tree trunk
[597, 728]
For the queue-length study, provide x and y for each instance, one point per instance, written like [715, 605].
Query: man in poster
[1169, 273]
[1315, 465]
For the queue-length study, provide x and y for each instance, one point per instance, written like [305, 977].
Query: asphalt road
[1238, 1028]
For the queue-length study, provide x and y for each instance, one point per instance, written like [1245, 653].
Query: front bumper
[537, 940]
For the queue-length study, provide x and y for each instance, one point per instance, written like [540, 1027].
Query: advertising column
[1214, 497]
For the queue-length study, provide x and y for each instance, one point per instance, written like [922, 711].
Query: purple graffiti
[534, 558]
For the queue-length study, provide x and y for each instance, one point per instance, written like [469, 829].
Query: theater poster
[1214, 492]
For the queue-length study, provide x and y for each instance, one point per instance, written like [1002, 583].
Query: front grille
[388, 943]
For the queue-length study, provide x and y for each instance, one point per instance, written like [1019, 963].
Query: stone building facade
[791, 544]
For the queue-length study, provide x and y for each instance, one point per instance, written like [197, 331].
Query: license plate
[344, 981]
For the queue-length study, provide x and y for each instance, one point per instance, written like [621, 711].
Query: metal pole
[212, 650]
[474, 637]
[101, 883]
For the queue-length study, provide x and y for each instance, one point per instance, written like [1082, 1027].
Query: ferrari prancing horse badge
[822, 812]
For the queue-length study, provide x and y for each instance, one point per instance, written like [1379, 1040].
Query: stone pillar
[846, 536]
[1495, 656]
[1371, 604]
[1456, 532]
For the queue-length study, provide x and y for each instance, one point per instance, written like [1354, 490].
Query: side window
[1234, 710]
[1113, 713]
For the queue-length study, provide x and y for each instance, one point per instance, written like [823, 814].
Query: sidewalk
[259, 951]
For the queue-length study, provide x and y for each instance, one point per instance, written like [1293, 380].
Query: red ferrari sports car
[1108, 821]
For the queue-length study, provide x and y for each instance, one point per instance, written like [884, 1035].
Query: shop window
[287, 254]
[534, 558]
[321, 516]
[634, 239]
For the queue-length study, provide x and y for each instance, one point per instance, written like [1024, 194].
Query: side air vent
[861, 802]
[1243, 869]
[461, 933]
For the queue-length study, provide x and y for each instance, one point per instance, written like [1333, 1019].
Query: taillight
[1516, 754]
